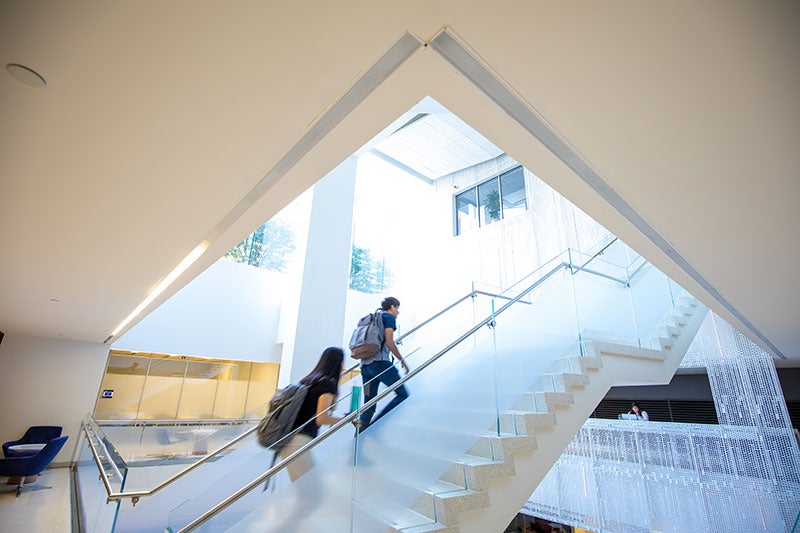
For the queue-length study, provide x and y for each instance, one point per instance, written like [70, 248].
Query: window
[499, 197]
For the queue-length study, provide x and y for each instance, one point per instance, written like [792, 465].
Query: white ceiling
[436, 144]
[166, 125]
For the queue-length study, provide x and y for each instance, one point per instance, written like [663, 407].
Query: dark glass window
[497, 198]
[512, 188]
[466, 211]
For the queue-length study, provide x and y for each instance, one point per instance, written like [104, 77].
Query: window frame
[474, 191]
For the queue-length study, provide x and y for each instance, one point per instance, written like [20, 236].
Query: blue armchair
[31, 465]
[34, 435]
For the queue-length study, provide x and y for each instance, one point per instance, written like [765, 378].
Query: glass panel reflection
[512, 189]
[467, 212]
[144, 386]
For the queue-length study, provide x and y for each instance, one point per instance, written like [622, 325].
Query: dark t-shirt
[389, 321]
[309, 408]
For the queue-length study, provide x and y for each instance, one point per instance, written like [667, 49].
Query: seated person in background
[637, 412]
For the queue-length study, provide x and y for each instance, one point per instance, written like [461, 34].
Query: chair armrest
[6, 445]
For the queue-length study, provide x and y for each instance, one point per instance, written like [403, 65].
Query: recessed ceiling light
[26, 75]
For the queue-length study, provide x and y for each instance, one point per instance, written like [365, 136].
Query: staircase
[488, 486]
[486, 418]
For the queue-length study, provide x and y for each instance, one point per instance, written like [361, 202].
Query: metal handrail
[135, 495]
[596, 273]
[96, 431]
[347, 419]
[103, 475]
[437, 315]
[601, 251]
[174, 422]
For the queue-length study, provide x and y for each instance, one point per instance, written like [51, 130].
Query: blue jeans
[371, 376]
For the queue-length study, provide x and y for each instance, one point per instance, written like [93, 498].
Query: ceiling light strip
[401, 51]
[481, 76]
[187, 261]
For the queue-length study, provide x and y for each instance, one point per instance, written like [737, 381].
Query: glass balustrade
[368, 481]
[497, 346]
[98, 514]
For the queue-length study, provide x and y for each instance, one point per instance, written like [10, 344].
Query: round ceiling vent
[26, 75]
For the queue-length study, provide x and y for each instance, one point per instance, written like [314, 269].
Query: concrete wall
[48, 382]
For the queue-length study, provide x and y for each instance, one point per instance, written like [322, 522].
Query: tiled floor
[35, 511]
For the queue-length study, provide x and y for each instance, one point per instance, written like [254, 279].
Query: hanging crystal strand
[743, 474]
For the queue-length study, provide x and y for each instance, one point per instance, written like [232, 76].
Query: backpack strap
[269, 481]
[383, 342]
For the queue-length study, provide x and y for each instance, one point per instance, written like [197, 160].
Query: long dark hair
[328, 367]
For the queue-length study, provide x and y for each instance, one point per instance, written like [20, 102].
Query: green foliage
[367, 274]
[493, 205]
[267, 247]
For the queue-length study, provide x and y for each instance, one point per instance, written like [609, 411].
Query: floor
[35, 511]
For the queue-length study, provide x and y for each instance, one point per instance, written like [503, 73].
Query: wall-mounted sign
[108, 393]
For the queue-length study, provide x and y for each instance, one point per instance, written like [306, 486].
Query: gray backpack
[283, 409]
[368, 337]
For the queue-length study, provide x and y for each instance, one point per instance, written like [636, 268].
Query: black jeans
[372, 375]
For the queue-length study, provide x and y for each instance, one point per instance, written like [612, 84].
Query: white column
[326, 274]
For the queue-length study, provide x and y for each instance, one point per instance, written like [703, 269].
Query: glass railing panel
[597, 265]
[652, 299]
[154, 467]
[151, 512]
[147, 470]
[108, 453]
[528, 344]
[126, 436]
[193, 443]
[150, 443]
[423, 343]
[524, 283]
[98, 514]
[385, 466]
[604, 309]
[618, 253]
[451, 403]
[283, 503]
[481, 382]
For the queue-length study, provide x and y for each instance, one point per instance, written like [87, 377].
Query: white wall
[48, 382]
[323, 294]
[230, 311]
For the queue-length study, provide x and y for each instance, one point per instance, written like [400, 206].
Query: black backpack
[284, 406]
